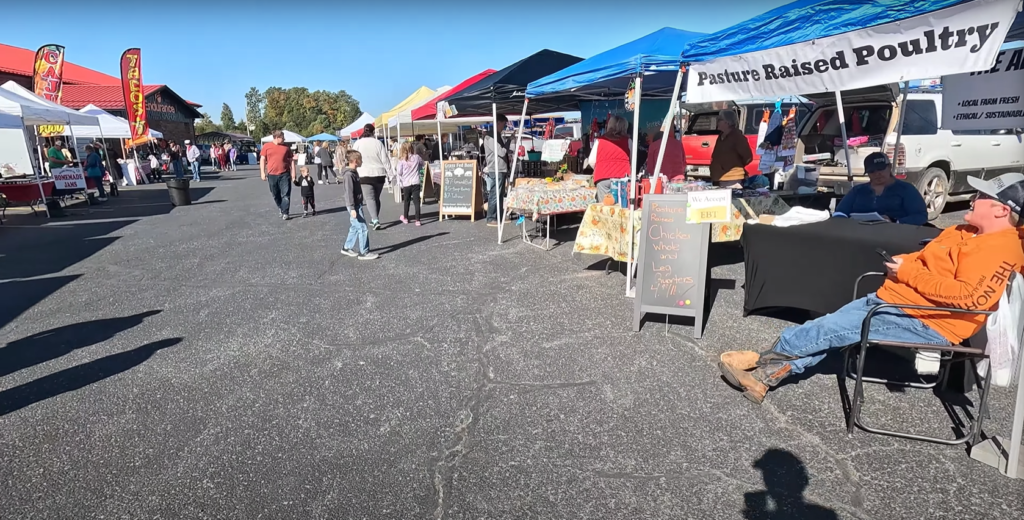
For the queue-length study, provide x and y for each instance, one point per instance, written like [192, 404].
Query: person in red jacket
[673, 165]
[610, 156]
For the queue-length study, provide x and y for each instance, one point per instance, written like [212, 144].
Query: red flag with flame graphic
[48, 72]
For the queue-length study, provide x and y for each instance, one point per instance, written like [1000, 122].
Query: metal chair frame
[972, 356]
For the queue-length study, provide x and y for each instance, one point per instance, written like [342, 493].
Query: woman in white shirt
[375, 170]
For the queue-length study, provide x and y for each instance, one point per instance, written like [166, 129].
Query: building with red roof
[166, 111]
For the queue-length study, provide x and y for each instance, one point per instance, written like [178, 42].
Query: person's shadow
[785, 479]
[54, 343]
[80, 376]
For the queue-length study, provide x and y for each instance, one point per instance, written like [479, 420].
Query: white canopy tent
[110, 126]
[358, 124]
[14, 146]
[289, 137]
[73, 117]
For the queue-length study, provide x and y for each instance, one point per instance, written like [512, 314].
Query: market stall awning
[507, 88]
[110, 126]
[1016, 33]
[420, 95]
[812, 46]
[10, 121]
[405, 116]
[609, 74]
[17, 94]
[356, 127]
[428, 110]
[322, 137]
[289, 137]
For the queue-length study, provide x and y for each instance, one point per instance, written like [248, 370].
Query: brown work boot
[755, 383]
[740, 359]
[771, 356]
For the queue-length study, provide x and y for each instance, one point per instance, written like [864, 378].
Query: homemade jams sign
[68, 178]
[672, 267]
[957, 39]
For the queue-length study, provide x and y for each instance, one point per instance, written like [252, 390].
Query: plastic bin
[179, 192]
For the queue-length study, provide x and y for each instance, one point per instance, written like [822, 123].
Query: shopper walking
[232, 155]
[275, 166]
[327, 164]
[408, 179]
[213, 156]
[222, 157]
[193, 154]
[495, 169]
[94, 170]
[357, 243]
[375, 169]
[176, 166]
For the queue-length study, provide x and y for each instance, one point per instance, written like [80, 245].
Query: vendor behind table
[892, 199]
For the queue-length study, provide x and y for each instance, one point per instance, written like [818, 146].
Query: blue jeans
[281, 189]
[195, 170]
[811, 341]
[179, 171]
[492, 193]
[358, 232]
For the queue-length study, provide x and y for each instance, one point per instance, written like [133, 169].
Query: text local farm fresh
[930, 42]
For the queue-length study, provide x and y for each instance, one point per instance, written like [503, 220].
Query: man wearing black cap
[966, 267]
[893, 199]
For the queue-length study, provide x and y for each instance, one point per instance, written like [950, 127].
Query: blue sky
[378, 51]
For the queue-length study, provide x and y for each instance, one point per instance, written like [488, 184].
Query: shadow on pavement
[785, 480]
[77, 377]
[402, 245]
[54, 343]
[37, 251]
[22, 295]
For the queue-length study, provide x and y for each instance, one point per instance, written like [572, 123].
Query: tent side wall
[14, 149]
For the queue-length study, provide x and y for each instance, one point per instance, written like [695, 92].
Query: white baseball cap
[1008, 188]
[187, 141]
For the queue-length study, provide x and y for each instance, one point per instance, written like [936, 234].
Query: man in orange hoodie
[966, 267]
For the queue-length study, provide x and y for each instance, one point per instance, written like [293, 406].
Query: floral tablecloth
[550, 198]
[605, 229]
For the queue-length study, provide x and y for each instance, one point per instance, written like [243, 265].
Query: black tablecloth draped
[813, 266]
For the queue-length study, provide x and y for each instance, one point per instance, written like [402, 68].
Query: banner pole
[42, 166]
[846, 142]
[632, 184]
[515, 155]
[666, 125]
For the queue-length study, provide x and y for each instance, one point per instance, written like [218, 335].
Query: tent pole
[668, 119]
[74, 144]
[39, 178]
[899, 128]
[497, 174]
[846, 141]
[632, 183]
[515, 153]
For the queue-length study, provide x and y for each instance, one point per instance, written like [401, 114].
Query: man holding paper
[884, 197]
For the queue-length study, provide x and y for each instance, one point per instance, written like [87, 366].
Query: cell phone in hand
[885, 256]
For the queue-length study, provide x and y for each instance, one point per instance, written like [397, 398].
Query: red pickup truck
[702, 132]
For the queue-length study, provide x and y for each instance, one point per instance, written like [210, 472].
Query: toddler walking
[305, 182]
[408, 178]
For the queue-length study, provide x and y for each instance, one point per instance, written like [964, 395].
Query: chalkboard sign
[459, 189]
[673, 262]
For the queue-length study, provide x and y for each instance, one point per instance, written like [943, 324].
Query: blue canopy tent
[650, 61]
[323, 137]
[813, 46]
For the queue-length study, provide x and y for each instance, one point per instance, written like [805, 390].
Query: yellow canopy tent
[415, 99]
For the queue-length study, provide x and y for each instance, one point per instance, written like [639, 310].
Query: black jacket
[325, 156]
[307, 190]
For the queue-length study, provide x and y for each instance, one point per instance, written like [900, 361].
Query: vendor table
[813, 267]
[25, 191]
[546, 200]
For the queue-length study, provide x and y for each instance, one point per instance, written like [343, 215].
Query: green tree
[254, 103]
[299, 110]
[227, 118]
[206, 125]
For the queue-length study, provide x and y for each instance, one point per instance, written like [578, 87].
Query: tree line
[296, 109]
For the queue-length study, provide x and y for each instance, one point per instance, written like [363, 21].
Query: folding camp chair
[969, 355]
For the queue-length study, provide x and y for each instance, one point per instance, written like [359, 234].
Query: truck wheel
[934, 187]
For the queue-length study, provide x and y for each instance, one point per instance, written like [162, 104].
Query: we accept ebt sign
[962, 38]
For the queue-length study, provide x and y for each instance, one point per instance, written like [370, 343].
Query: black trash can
[178, 190]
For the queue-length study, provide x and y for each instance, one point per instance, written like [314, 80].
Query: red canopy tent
[428, 110]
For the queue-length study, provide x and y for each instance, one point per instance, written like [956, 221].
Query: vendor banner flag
[963, 38]
[134, 98]
[48, 72]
